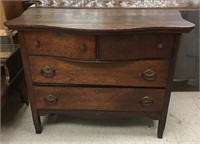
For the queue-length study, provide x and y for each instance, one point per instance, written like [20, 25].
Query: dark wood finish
[12, 8]
[135, 46]
[13, 85]
[116, 74]
[35, 114]
[107, 77]
[163, 119]
[112, 99]
[12, 76]
[101, 114]
[14, 63]
[61, 44]
[101, 21]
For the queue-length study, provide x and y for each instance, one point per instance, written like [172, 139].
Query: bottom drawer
[113, 99]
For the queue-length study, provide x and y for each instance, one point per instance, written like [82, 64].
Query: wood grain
[27, 72]
[98, 20]
[135, 46]
[116, 74]
[111, 99]
[113, 80]
[61, 44]
[162, 121]
[12, 8]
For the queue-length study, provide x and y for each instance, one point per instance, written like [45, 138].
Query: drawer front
[61, 44]
[114, 99]
[152, 73]
[135, 46]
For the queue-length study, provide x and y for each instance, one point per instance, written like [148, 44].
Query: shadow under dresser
[110, 60]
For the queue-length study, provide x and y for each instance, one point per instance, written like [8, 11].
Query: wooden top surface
[101, 20]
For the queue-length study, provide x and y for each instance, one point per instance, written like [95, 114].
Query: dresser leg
[37, 122]
[161, 127]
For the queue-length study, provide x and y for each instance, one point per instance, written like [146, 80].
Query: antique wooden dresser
[100, 60]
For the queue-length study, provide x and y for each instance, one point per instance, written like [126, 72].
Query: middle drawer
[147, 73]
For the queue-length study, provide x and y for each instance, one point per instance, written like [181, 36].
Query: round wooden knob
[160, 45]
[37, 43]
[47, 71]
[83, 47]
[149, 75]
[146, 101]
[50, 99]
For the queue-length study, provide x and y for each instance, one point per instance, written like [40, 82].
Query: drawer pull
[160, 45]
[50, 99]
[149, 75]
[146, 101]
[37, 43]
[47, 71]
[83, 47]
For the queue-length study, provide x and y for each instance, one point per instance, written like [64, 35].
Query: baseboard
[185, 85]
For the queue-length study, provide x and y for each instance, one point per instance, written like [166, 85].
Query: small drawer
[114, 99]
[61, 44]
[135, 46]
[151, 73]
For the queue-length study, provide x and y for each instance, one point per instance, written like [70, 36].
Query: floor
[183, 126]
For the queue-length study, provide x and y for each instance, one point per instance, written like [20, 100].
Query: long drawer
[113, 99]
[148, 73]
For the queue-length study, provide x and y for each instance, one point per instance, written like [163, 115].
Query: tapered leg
[37, 121]
[29, 83]
[161, 127]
